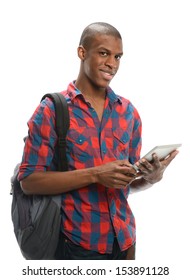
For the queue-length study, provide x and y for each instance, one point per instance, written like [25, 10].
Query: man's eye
[103, 53]
[118, 57]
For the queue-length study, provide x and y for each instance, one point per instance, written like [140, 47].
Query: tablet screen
[162, 151]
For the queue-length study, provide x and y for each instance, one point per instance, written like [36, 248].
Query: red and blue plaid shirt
[92, 215]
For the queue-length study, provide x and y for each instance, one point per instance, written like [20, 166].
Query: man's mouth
[108, 75]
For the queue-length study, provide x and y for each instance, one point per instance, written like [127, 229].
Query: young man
[103, 143]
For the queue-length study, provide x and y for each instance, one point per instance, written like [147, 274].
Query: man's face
[102, 59]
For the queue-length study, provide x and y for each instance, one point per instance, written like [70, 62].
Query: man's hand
[153, 171]
[116, 174]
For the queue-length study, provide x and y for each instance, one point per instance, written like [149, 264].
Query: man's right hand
[116, 174]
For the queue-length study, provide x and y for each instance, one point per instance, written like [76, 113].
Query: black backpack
[36, 218]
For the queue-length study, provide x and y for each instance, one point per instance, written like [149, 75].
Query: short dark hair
[97, 27]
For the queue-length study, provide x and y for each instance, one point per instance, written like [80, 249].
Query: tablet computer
[162, 151]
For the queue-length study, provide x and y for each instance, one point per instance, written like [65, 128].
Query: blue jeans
[67, 250]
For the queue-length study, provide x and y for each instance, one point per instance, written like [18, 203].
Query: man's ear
[81, 52]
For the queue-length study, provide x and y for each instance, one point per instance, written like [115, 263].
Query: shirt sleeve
[136, 139]
[41, 140]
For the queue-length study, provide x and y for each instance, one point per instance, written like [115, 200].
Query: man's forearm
[139, 184]
[54, 182]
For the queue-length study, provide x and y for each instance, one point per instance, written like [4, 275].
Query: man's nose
[112, 62]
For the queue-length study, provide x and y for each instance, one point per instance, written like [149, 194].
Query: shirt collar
[113, 97]
[73, 92]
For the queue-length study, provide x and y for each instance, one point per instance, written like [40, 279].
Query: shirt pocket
[121, 140]
[79, 145]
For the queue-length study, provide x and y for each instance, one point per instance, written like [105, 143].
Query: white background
[38, 55]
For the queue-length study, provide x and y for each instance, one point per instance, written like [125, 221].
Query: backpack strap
[62, 125]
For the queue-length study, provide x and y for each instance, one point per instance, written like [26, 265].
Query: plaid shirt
[92, 215]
